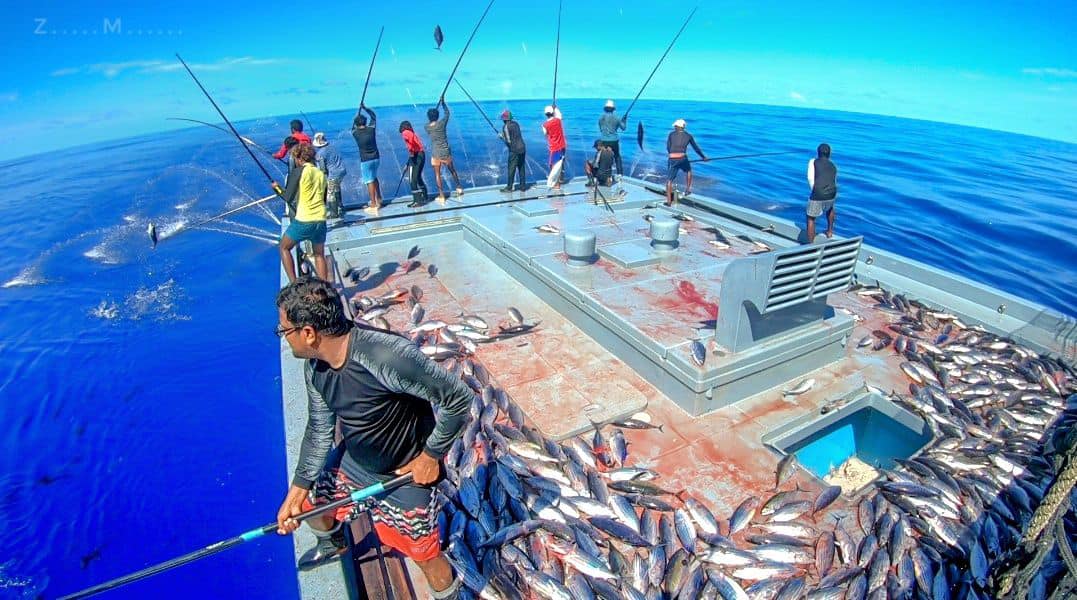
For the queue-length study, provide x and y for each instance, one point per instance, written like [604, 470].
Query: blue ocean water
[140, 387]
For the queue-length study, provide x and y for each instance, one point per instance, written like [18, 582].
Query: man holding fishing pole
[307, 185]
[554, 131]
[608, 126]
[416, 162]
[297, 134]
[398, 412]
[441, 154]
[677, 147]
[514, 141]
[366, 138]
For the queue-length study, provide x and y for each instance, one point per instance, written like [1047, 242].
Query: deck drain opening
[847, 447]
[590, 408]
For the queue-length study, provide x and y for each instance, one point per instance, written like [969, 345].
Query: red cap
[506, 116]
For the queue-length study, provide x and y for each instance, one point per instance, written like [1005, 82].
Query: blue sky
[78, 73]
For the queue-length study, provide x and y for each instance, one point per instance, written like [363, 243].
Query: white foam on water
[107, 310]
[19, 586]
[186, 205]
[159, 303]
[33, 273]
[29, 275]
[130, 218]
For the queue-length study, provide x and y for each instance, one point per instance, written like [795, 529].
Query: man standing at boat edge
[332, 165]
[823, 181]
[514, 141]
[608, 126]
[440, 153]
[297, 134]
[383, 392]
[416, 163]
[554, 129]
[677, 148]
[306, 184]
[367, 140]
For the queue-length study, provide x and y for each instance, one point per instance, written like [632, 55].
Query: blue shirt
[608, 124]
[328, 160]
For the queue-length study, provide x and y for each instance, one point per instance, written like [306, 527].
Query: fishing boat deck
[490, 257]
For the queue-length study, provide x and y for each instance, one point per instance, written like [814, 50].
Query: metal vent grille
[811, 272]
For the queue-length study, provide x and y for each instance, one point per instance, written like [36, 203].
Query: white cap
[609, 104]
[319, 140]
[548, 110]
[680, 123]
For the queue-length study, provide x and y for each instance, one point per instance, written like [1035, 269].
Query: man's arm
[279, 154]
[811, 174]
[695, 146]
[445, 118]
[318, 438]
[373, 117]
[622, 123]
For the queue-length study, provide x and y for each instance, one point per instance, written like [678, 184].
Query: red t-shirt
[555, 134]
[299, 136]
[412, 141]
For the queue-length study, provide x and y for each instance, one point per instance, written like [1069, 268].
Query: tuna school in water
[529, 517]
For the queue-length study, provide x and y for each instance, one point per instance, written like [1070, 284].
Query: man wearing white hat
[608, 125]
[328, 160]
[555, 140]
[677, 147]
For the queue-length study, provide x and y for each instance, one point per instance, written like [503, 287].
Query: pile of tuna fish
[526, 516]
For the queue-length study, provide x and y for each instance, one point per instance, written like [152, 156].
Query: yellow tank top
[311, 197]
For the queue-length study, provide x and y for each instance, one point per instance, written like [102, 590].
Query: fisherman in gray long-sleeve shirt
[383, 392]
[440, 154]
[328, 160]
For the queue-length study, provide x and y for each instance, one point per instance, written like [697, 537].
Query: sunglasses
[282, 331]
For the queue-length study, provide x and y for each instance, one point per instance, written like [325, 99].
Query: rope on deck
[1048, 516]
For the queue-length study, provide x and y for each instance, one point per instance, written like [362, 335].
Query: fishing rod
[399, 183]
[660, 60]
[441, 98]
[744, 156]
[152, 229]
[464, 207]
[477, 107]
[371, 69]
[557, 53]
[307, 119]
[354, 497]
[246, 140]
[272, 183]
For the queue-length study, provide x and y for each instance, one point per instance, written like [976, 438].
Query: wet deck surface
[563, 379]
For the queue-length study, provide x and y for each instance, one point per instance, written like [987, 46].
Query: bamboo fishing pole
[276, 187]
[354, 497]
[370, 70]
[698, 160]
[477, 107]
[557, 53]
[244, 139]
[441, 98]
[660, 60]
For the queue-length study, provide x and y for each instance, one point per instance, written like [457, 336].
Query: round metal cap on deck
[580, 248]
[664, 234]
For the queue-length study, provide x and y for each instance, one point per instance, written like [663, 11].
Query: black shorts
[678, 164]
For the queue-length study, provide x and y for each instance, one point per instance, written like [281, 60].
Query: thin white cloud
[797, 96]
[111, 70]
[1050, 72]
[9, 96]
